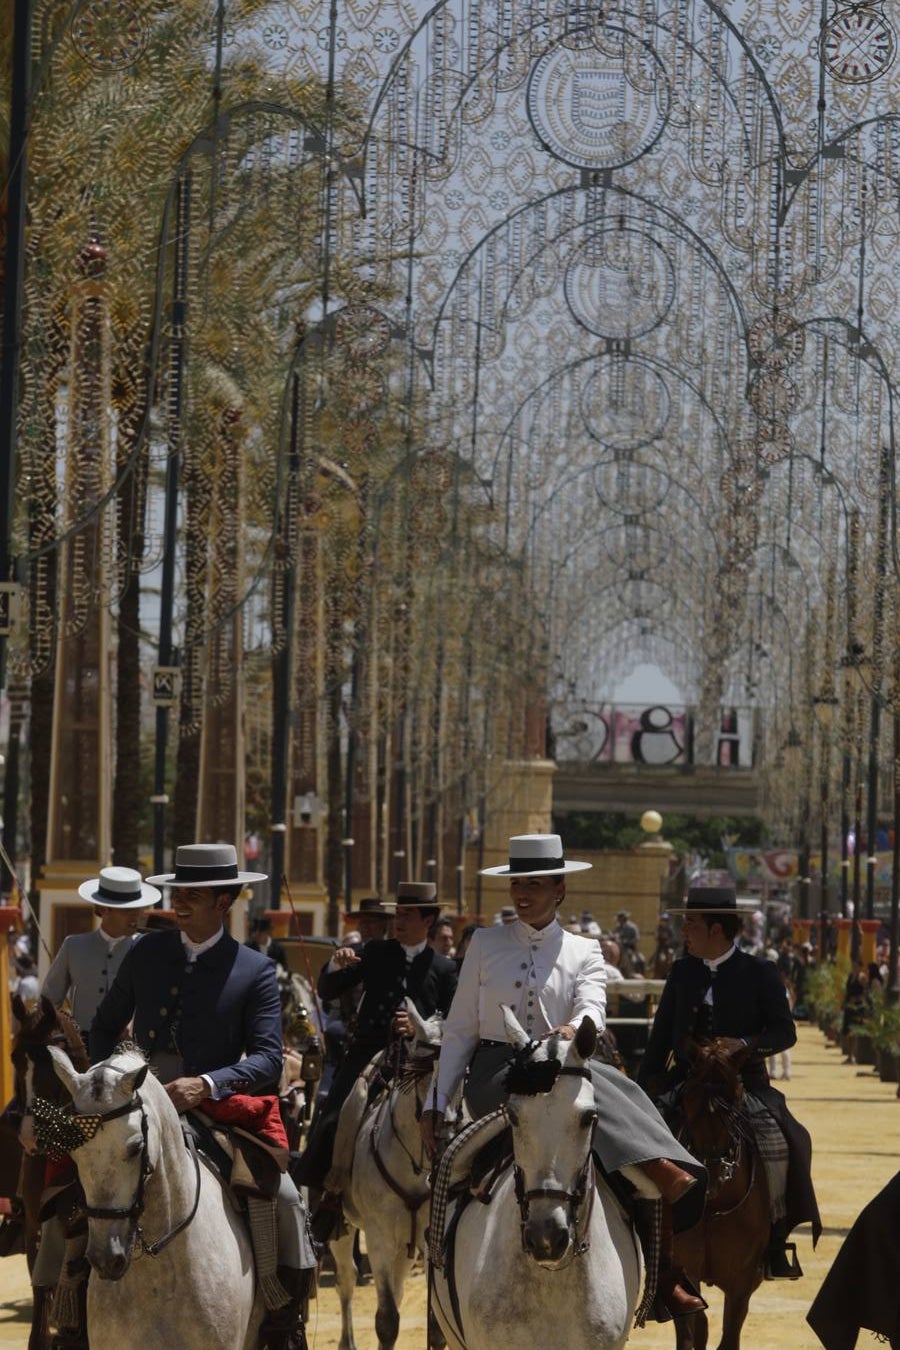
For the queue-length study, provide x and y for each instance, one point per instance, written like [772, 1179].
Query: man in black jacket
[389, 971]
[718, 991]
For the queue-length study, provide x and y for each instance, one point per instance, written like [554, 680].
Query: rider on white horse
[208, 1016]
[389, 972]
[552, 980]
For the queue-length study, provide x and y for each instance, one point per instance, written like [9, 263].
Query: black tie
[704, 1027]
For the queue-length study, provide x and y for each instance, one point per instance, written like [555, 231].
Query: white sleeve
[461, 1029]
[58, 981]
[589, 998]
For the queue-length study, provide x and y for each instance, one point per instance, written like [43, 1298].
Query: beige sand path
[855, 1124]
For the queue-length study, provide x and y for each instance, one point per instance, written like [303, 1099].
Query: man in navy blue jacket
[207, 1014]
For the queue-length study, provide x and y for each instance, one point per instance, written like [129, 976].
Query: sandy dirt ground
[855, 1124]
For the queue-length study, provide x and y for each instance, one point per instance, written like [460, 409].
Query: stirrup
[782, 1262]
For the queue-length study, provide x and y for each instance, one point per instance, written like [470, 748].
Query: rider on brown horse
[718, 991]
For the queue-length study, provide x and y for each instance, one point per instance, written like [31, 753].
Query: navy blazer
[749, 1002]
[430, 982]
[226, 1005]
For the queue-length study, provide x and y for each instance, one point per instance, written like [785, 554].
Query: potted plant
[885, 1033]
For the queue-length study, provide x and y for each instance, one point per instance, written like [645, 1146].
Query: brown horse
[42, 1026]
[727, 1247]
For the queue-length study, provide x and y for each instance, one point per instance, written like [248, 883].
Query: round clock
[858, 44]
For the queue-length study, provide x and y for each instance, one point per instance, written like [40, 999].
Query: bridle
[62, 1130]
[415, 1071]
[726, 1162]
[579, 1214]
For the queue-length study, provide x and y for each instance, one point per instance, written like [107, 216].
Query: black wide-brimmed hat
[372, 906]
[206, 865]
[712, 900]
[416, 894]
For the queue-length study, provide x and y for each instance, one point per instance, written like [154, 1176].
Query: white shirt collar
[112, 941]
[526, 933]
[413, 952]
[718, 960]
[195, 949]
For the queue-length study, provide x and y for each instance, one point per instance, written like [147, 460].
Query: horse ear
[20, 1012]
[586, 1039]
[48, 1007]
[130, 1082]
[515, 1034]
[692, 1049]
[62, 1066]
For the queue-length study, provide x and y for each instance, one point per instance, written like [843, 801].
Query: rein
[728, 1160]
[584, 1187]
[58, 1124]
[413, 1202]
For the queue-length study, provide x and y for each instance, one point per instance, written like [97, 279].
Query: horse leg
[690, 1331]
[39, 1335]
[390, 1275]
[345, 1277]
[734, 1315]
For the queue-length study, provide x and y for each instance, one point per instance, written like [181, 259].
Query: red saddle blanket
[256, 1115]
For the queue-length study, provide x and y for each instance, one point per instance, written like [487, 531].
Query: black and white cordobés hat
[119, 888]
[535, 855]
[206, 865]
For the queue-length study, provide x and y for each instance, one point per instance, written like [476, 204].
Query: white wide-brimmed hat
[206, 865]
[535, 855]
[119, 888]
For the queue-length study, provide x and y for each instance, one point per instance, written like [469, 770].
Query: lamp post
[857, 675]
[824, 708]
[792, 757]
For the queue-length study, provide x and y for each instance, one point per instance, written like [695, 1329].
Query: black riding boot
[284, 1328]
[326, 1217]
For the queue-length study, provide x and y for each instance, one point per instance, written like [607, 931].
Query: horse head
[39, 1029]
[114, 1147]
[552, 1113]
[711, 1106]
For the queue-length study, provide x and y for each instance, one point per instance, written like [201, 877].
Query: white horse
[552, 1259]
[387, 1192]
[171, 1262]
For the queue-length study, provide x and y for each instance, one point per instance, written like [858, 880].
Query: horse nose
[110, 1259]
[547, 1239]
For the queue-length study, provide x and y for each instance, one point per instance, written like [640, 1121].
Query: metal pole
[284, 660]
[14, 283]
[893, 980]
[160, 797]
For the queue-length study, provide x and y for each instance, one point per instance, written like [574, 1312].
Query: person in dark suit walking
[207, 1015]
[261, 940]
[718, 991]
[388, 971]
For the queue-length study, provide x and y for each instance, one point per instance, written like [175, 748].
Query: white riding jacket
[547, 976]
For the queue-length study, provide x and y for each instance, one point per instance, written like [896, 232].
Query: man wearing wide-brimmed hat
[207, 1014]
[552, 980]
[718, 991]
[388, 972]
[372, 917]
[87, 963]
